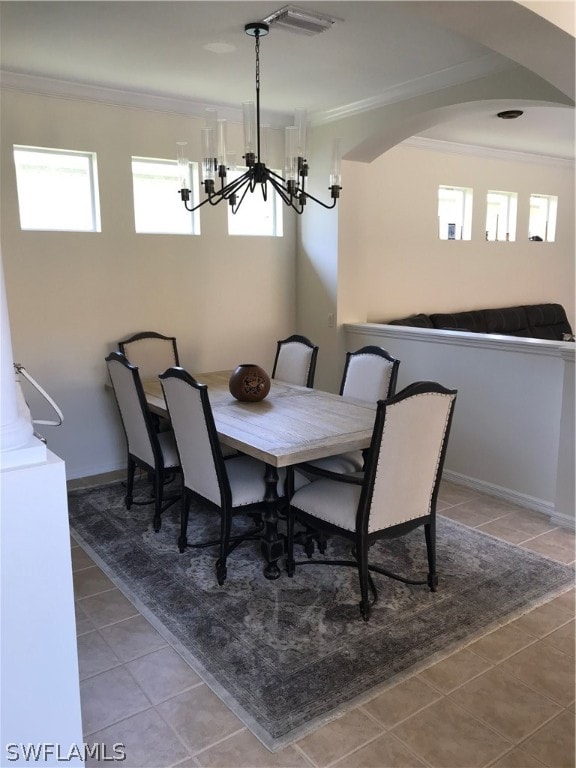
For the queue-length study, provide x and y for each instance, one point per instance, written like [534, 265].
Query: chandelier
[291, 187]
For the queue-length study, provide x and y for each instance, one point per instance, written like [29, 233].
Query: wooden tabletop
[292, 424]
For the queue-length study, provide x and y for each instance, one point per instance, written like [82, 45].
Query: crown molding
[66, 89]
[474, 150]
[489, 64]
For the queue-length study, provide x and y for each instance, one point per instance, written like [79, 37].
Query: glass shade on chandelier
[216, 160]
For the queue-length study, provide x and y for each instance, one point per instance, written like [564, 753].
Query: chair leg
[184, 514]
[430, 534]
[225, 526]
[158, 498]
[290, 564]
[363, 575]
[131, 469]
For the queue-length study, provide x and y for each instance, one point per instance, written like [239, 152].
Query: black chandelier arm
[307, 195]
[239, 203]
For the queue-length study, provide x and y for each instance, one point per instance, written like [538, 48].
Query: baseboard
[563, 521]
[529, 502]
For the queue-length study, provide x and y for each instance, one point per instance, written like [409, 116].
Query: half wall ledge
[513, 430]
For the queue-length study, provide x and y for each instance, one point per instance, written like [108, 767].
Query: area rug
[288, 655]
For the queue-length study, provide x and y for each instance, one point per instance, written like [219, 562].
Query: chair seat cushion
[331, 501]
[343, 463]
[247, 483]
[168, 448]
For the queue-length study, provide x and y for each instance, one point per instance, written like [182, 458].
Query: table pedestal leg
[272, 543]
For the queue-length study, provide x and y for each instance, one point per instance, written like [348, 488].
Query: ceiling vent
[301, 21]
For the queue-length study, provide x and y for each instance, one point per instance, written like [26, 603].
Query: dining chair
[370, 374]
[151, 352]
[230, 486]
[395, 494]
[295, 361]
[154, 451]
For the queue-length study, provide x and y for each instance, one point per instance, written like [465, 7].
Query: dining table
[293, 424]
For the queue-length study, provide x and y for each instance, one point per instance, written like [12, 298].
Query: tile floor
[507, 700]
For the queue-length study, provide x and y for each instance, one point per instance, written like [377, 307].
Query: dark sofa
[537, 321]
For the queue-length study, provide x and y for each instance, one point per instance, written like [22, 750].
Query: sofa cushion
[508, 321]
[416, 321]
[547, 321]
[460, 321]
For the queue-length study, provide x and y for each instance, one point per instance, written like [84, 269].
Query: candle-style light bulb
[182, 161]
[249, 120]
[208, 154]
[291, 153]
[336, 169]
[300, 121]
[221, 132]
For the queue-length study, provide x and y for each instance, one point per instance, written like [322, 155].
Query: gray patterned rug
[287, 656]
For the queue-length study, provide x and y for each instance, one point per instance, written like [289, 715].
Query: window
[158, 208]
[454, 213]
[57, 189]
[501, 210]
[256, 216]
[542, 222]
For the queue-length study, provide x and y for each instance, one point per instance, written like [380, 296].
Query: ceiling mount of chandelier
[215, 162]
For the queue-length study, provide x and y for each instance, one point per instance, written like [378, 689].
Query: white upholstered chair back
[152, 353]
[295, 361]
[409, 458]
[368, 377]
[125, 382]
[198, 454]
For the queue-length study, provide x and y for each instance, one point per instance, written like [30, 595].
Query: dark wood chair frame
[362, 540]
[158, 473]
[373, 350]
[149, 335]
[308, 343]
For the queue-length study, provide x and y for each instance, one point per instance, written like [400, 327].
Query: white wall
[389, 238]
[513, 429]
[72, 296]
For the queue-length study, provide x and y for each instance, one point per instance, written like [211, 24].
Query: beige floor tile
[80, 559]
[541, 621]
[447, 737]
[339, 737]
[199, 718]
[505, 703]
[163, 674]
[384, 752]
[566, 602]
[517, 758]
[90, 581]
[528, 522]
[132, 638]
[401, 701]
[502, 643]
[455, 670]
[108, 607]
[553, 744]
[557, 544]
[146, 739]
[95, 655]
[479, 511]
[546, 669]
[502, 529]
[108, 698]
[563, 639]
[243, 750]
[450, 494]
[83, 622]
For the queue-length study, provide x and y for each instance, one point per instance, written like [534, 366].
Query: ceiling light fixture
[291, 187]
[510, 114]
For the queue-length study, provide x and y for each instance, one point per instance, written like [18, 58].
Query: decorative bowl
[249, 383]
